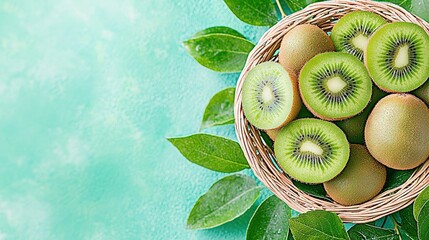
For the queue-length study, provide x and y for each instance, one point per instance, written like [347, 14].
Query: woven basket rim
[261, 157]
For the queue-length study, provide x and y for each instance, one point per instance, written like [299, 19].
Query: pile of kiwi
[342, 107]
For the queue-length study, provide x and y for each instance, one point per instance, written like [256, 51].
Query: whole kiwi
[301, 44]
[361, 180]
[397, 131]
[423, 92]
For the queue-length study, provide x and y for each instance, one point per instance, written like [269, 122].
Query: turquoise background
[89, 90]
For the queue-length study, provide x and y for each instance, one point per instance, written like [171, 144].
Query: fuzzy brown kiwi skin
[297, 103]
[272, 133]
[370, 176]
[301, 44]
[404, 148]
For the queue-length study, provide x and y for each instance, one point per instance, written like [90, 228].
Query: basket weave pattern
[261, 158]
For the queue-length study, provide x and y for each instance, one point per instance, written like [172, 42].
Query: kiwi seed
[311, 150]
[270, 96]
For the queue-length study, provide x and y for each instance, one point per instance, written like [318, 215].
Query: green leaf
[423, 222]
[396, 178]
[403, 3]
[421, 200]
[317, 225]
[226, 200]
[212, 152]
[296, 5]
[221, 49]
[408, 223]
[420, 8]
[368, 232]
[270, 221]
[220, 110]
[316, 190]
[254, 12]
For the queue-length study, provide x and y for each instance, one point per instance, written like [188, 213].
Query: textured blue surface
[89, 90]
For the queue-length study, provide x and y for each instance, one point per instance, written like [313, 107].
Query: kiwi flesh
[270, 96]
[335, 86]
[397, 57]
[311, 150]
[352, 32]
[361, 180]
[423, 93]
[354, 127]
[397, 131]
[301, 44]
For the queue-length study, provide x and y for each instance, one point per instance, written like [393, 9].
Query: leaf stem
[280, 8]
[396, 226]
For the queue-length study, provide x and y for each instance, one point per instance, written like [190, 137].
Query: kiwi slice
[301, 44]
[270, 96]
[311, 150]
[335, 86]
[397, 57]
[397, 131]
[352, 32]
[361, 180]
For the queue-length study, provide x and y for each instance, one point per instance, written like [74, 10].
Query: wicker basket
[260, 156]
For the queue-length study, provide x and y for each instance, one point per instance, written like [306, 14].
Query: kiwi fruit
[397, 57]
[354, 127]
[270, 96]
[272, 133]
[352, 32]
[361, 180]
[311, 150]
[335, 86]
[301, 44]
[422, 92]
[397, 131]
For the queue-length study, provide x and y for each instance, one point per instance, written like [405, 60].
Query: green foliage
[270, 221]
[420, 8]
[220, 48]
[220, 110]
[226, 200]
[316, 190]
[318, 225]
[396, 178]
[368, 232]
[423, 222]
[408, 224]
[254, 12]
[296, 5]
[421, 200]
[212, 152]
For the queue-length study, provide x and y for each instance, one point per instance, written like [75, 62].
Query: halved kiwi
[352, 32]
[361, 180]
[397, 57]
[311, 150]
[270, 96]
[335, 86]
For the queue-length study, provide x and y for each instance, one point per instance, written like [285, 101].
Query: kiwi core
[336, 84]
[360, 41]
[267, 94]
[402, 56]
[309, 146]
